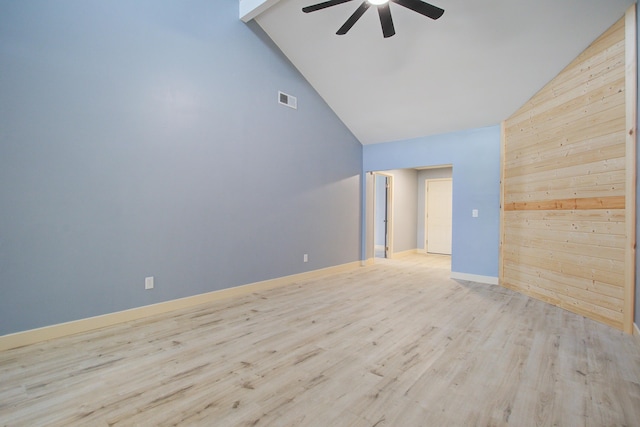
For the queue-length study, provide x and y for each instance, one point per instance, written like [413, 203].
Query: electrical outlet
[148, 282]
[305, 258]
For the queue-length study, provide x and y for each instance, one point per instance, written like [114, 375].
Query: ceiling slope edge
[249, 9]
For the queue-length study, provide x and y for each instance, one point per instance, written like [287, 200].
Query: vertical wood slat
[631, 91]
[551, 138]
[502, 217]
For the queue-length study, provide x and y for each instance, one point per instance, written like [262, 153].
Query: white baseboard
[46, 333]
[489, 280]
[636, 330]
[404, 253]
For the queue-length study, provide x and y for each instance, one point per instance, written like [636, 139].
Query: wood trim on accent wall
[631, 93]
[613, 202]
[503, 143]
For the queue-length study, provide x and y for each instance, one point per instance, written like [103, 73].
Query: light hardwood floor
[395, 344]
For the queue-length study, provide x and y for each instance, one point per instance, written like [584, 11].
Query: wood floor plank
[394, 344]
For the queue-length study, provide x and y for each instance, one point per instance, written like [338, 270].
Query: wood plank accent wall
[566, 177]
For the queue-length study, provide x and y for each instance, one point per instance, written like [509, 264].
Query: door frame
[389, 209]
[426, 209]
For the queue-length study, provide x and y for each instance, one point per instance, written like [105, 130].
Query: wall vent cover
[288, 100]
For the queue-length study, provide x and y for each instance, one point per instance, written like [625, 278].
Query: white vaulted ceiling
[473, 67]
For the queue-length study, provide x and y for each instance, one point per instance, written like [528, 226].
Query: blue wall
[144, 138]
[475, 157]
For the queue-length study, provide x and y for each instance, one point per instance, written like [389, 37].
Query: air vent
[288, 100]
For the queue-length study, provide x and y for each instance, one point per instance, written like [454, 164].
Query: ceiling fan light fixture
[382, 6]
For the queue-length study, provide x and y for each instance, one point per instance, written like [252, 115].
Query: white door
[439, 215]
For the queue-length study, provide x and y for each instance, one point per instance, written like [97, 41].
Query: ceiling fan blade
[386, 21]
[353, 18]
[323, 5]
[421, 7]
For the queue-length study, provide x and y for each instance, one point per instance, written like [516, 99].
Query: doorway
[382, 223]
[438, 215]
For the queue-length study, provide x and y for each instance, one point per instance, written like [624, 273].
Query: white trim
[631, 112]
[405, 253]
[636, 330]
[489, 280]
[503, 145]
[249, 9]
[46, 333]
[389, 236]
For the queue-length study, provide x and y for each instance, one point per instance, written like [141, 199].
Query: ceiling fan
[386, 22]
